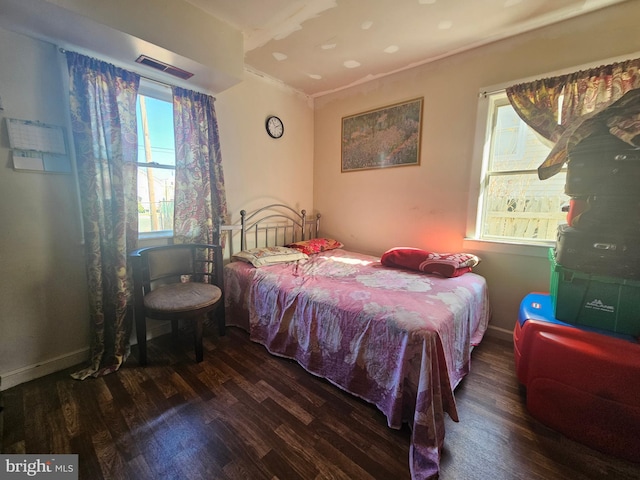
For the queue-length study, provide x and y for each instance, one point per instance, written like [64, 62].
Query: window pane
[515, 146]
[159, 131]
[518, 206]
[155, 146]
[155, 199]
[522, 207]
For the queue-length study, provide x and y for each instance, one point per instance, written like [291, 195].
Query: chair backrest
[156, 266]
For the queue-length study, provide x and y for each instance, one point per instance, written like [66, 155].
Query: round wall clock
[275, 127]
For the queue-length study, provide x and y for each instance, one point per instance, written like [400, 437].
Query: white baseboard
[31, 372]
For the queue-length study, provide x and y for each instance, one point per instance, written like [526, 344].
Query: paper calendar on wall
[38, 147]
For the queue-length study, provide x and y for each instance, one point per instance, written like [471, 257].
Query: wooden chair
[177, 282]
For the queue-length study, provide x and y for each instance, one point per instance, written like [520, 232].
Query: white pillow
[259, 257]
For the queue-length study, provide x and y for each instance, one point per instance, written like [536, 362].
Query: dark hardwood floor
[243, 414]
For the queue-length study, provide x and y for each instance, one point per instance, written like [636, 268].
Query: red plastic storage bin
[581, 383]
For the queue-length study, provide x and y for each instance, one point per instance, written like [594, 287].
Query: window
[156, 159]
[514, 205]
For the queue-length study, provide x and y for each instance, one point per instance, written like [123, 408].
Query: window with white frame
[514, 205]
[156, 159]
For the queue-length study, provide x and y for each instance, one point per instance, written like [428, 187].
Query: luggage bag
[600, 253]
[603, 165]
[606, 213]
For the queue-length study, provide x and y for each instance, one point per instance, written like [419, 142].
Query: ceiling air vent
[165, 67]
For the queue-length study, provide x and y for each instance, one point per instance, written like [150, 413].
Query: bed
[399, 339]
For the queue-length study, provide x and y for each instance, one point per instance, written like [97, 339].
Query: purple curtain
[200, 199]
[102, 100]
[585, 94]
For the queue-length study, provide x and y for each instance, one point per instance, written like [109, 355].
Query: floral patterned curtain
[200, 199]
[102, 100]
[537, 104]
[585, 93]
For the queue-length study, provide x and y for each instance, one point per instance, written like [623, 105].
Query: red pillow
[445, 264]
[316, 245]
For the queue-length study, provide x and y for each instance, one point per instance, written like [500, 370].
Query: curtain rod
[569, 70]
[485, 94]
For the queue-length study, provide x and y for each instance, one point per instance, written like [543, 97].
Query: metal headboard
[272, 225]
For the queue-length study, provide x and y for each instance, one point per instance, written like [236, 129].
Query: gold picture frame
[383, 138]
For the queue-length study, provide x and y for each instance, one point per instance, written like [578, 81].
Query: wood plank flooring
[244, 414]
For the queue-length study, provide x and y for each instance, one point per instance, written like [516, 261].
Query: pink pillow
[445, 264]
[316, 245]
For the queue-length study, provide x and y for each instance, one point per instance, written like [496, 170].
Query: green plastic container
[605, 303]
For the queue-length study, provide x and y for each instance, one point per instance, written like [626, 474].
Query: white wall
[259, 169]
[43, 289]
[44, 324]
[426, 206]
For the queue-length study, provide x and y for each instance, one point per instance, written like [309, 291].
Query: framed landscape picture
[381, 138]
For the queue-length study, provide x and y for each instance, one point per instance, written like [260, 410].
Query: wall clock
[275, 127]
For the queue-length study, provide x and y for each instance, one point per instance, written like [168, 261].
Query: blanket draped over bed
[398, 339]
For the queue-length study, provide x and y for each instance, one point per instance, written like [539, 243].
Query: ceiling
[313, 46]
[319, 46]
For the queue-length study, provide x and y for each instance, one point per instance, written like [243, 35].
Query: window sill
[149, 238]
[509, 248]
[158, 234]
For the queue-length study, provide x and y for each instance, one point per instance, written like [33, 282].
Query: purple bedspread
[398, 339]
